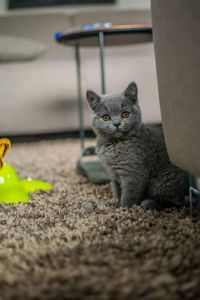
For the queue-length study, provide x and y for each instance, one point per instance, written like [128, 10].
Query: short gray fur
[135, 154]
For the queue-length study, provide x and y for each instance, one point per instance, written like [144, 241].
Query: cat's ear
[131, 91]
[92, 98]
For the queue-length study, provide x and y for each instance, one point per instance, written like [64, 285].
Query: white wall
[137, 4]
[3, 6]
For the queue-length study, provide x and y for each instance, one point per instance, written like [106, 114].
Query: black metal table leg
[101, 57]
[79, 102]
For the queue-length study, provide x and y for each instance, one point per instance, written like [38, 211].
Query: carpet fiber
[71, 243]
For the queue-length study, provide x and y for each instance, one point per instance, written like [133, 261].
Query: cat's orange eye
[106, 117]
[125, 114]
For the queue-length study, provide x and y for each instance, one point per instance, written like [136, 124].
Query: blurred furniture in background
[176, 31]
[40, 3]
[39, 96]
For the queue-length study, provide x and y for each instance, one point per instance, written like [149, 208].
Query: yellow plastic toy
[5, 145]
[12, 188]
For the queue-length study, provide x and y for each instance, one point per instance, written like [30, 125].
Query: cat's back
[154, 135]
[157, 151]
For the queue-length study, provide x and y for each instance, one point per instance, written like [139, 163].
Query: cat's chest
[114, 153]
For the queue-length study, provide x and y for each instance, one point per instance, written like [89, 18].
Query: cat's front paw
[117, 203]
[127, 204]
[149, 204]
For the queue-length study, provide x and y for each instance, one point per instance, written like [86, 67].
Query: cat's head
[115, 115]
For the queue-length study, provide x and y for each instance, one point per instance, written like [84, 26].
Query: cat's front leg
[116, 190]
[132, 192]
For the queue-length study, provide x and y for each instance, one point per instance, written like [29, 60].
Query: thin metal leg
[190, 195]
[80, 104]
[101, 56]
[194, 195]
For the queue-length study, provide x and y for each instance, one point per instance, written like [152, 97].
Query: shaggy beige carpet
[71, 243]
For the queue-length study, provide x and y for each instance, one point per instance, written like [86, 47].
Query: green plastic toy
[12, 188]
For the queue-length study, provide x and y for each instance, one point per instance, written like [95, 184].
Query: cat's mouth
[118, 133]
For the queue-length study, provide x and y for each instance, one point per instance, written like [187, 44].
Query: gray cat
[134, 154]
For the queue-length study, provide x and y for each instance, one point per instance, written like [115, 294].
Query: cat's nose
[117, 123]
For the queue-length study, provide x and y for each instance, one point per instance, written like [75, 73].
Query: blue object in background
[57, 35]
